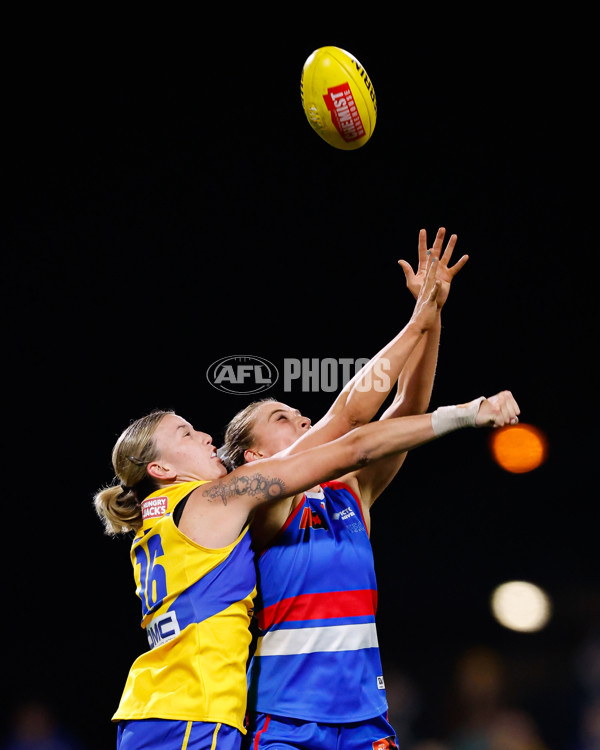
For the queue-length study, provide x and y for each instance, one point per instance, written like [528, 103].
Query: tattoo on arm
[257, 485]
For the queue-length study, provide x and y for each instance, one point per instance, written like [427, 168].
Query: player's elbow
[361, 449]
[354, 417]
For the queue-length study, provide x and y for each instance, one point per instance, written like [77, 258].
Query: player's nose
[305, 423]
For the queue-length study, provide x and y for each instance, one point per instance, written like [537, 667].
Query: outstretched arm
[364, 394]
[216, 512]
[417, 343]
[415, 383]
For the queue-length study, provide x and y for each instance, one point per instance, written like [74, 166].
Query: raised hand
[426, 306]
[445, 272]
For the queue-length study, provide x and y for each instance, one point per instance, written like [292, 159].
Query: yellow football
[338, 98]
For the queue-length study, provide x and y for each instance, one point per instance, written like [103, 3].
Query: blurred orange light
[519, 449]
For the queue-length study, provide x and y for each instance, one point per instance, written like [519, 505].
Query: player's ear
[252, 455]
[160, 471]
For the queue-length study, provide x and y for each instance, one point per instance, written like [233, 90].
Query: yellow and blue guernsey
[196, 609]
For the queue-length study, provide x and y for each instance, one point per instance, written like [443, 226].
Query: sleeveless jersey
[196, 609]
[317, 654]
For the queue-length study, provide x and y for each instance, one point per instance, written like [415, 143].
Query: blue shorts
[268, 732]
[161, 734]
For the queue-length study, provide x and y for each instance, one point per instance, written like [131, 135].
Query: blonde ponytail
[118, 509]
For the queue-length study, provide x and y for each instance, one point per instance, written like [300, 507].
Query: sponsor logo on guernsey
[349, 517]
[344, 112]
[380, 682]
[385, 743]
[312, 519]
[162, 629]
[155, 507]
[344, 515]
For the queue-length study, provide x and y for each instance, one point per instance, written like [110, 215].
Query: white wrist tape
[449, 418]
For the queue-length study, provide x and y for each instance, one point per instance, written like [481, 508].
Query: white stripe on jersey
[310, 640]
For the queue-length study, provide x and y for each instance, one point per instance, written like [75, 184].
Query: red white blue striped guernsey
[317, 655]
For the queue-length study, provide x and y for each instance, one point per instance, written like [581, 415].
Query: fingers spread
[422, 248]
[439, 241]
[407, 268]
[458, 265]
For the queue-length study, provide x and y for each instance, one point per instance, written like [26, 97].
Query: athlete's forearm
[288, 473]
[369, 388]
[389, 437]
[415, 383]
[363, 396]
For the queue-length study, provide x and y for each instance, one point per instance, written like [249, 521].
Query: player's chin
[217, 469]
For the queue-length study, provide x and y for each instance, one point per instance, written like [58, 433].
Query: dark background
[169, 205]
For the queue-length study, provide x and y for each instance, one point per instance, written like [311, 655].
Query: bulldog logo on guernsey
[344, 112]
[154, 507]
[312, 519]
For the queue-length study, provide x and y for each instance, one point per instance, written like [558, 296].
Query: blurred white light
[521, 606]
